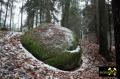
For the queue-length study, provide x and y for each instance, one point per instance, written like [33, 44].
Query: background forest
[89, 19]
[95, 22]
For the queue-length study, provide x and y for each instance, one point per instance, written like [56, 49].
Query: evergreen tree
[103, 41]
[116, 18]
[44, 8]
[65, 15]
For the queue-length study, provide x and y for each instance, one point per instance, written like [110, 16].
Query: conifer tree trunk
[103, 41]
[11, 15]
[21, 17]
[6, 14]
[48, 16]
[65, 15]
[1, 15]
[36, 23]
[40, 15]
[30, 20]
[116, 18]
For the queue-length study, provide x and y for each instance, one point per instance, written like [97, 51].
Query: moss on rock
[34, 41]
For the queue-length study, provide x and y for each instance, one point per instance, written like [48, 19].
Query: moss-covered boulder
[53, 45]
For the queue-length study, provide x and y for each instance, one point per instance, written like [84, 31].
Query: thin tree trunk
[110, 29]
[11, 16]
[6, 14]
[1, 16]
[40, 16]
[21, 17]
[36, 20]
[97, 20]
[86, 3]
[28, 24]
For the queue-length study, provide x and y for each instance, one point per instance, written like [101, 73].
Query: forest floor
[18, 63]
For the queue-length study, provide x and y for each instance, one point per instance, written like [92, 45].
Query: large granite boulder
[54, 45]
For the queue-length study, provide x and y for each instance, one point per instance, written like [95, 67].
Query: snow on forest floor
[17, 63]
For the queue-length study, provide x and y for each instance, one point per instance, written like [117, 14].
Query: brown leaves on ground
[93, 51]
[15, 64]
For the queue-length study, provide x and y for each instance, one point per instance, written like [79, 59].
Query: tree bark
[65, 15]
[110, 27]
[6, 14]
[116, 18]
[21, 17]
[11, 15]
[30, 20]
[97, 19]
[48, 12]
[48, 16]
[103, 41]
[36, 22]
[1, 16]
[40, 15]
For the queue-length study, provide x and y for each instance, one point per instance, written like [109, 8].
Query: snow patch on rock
[76, 50]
